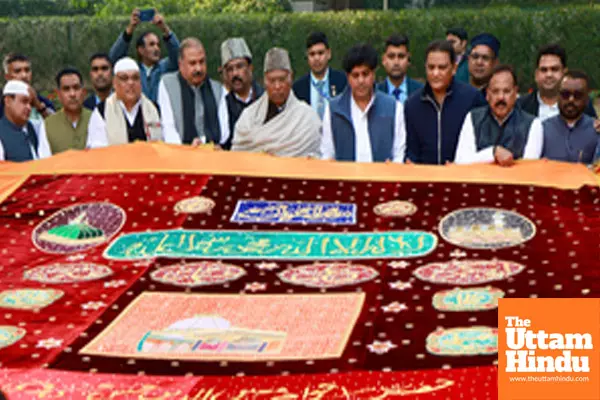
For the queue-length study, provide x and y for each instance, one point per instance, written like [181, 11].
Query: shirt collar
[325, 78]
[249, 99]
[541, 102]
[501, 123]
[134, 110]
[402, 87]
[573, 125]
[357, 108]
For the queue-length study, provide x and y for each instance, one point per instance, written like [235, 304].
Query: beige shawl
[116, 126]
[295, 132]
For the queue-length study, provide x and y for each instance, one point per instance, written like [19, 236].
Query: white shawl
[116, 127]
[295, 132]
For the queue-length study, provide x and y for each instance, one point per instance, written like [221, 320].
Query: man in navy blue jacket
[396, 60]
[322, 83]
[434, 114]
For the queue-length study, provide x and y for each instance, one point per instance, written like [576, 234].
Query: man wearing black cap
[458, 37]
[483, 57]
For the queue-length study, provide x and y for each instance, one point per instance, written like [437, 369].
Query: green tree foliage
[192, 7]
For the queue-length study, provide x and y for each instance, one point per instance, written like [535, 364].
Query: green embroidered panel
[271, 245]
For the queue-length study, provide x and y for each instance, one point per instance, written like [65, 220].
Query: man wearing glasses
[101, 77]
[551, 67]
[127, 115]
[500, 132]
[236, 60]
[485, 49]
[570, 136]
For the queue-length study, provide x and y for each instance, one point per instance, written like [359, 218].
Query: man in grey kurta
[570, 136]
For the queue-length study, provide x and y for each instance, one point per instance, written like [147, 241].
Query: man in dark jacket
[152, 68]
[322, 83]
[434, 115]
[396, 60]
[458, 37]
[551, 67]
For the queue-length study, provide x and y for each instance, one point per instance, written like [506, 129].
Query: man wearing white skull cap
[127, 115]
[20, 140]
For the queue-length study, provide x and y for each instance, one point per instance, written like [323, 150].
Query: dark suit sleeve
[413, 152]
[301, 89]
[590, 110]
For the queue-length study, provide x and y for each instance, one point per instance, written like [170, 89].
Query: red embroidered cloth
[560, 261]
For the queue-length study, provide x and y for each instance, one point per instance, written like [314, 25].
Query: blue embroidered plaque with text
[289, 212]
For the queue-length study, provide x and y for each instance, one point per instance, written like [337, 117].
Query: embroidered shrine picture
[486, 228]
[78, 227]
[231, 327]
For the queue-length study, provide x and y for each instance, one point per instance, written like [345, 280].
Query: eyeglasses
[101, 68]
[484, 57]
[126, 78]
[577, 94]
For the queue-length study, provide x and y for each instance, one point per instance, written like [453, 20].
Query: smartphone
[147, 15]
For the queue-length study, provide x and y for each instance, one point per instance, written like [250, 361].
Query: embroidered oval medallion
[67, 273]
[468, 272]
[10, 335]
[29, 299]
[194, 205]
[486, 228]
[201, 273]
[328, 275]
[78, 227]
[471, 299]
[471, 341]
[395, 208]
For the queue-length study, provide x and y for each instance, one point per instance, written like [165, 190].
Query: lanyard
[324, 95]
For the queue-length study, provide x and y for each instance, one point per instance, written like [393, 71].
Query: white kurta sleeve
[535, 141]
[1, 152]
[399, 148]
[223, 118]
[327, 146]
[466, 151]
[96, 131]
[170, 134]
[44, 150]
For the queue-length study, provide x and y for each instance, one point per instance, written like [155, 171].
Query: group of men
[467, 111]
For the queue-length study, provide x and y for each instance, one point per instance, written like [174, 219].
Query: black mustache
[197, 73]
[236, 79]
[501, 103]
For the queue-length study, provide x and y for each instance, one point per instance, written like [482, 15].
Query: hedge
[54, 42]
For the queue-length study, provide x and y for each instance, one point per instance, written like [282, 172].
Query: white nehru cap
[16, 87]
[126, 64]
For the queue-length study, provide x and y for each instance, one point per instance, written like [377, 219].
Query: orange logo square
[549, 349]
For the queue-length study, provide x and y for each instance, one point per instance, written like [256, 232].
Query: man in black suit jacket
[396, 60]
[322, 83]
[549, 72]
[101, 77]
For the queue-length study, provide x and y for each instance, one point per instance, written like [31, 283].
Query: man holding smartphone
[152, 68]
